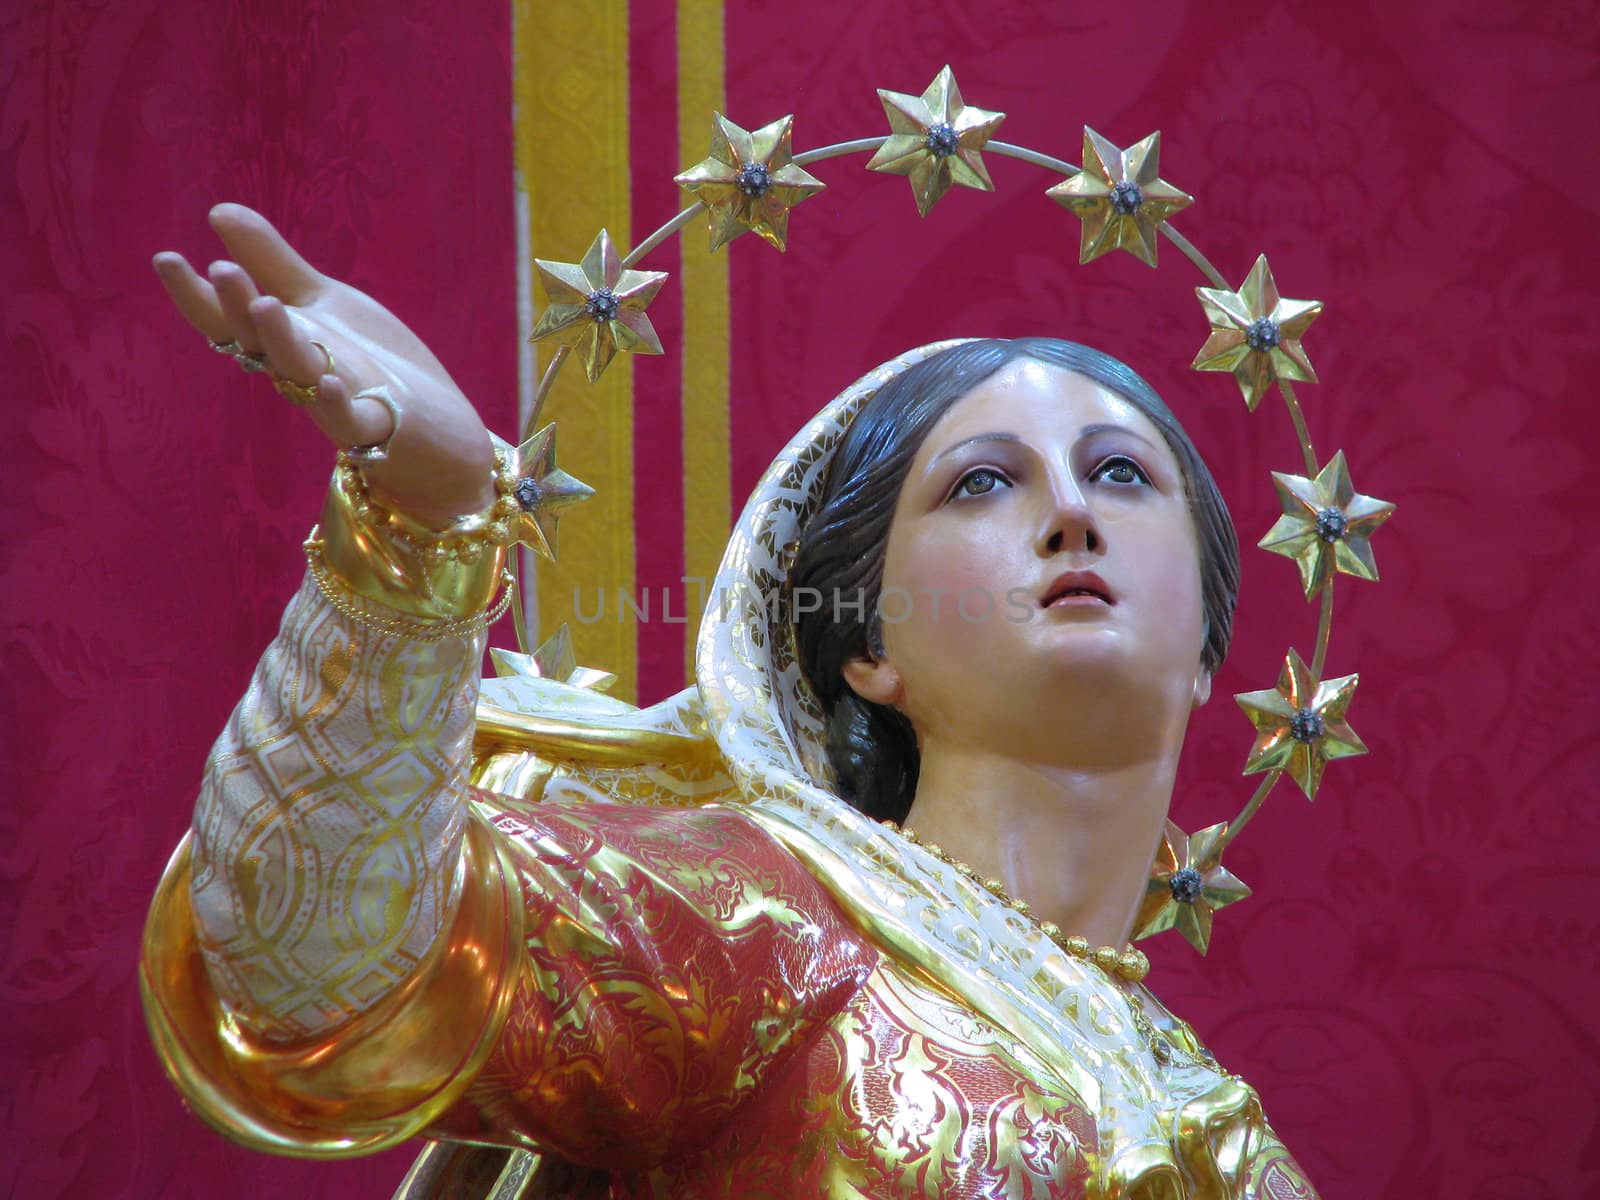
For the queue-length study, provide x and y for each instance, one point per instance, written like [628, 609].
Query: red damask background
[1411, 988]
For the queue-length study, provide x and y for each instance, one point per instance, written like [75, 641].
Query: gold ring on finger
[376, 452]
[249, 363]
[303, 394]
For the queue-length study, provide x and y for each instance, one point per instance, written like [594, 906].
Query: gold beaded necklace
[1127, 963]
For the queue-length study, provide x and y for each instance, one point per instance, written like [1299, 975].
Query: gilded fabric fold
[675, 962]
[380, 1077]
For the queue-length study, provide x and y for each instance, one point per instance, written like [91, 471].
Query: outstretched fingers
[195, 298]
[267, 258]
[288, 348]
[235, 293]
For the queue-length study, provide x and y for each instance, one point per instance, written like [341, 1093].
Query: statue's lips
[1077, 587]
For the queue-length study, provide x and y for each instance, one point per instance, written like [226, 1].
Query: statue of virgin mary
[730, 944]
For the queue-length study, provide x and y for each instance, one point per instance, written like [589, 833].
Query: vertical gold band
[706, 451]
[571, 94]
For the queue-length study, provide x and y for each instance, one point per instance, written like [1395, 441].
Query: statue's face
[1041, 571]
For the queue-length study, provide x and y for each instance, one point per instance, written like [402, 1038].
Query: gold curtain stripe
[571, 92]
[706, 453]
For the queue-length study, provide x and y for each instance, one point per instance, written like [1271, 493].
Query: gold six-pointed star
[749, 181]
[1119, 197]
[1326, 525]
[1187, 884]
[1300, 724]
[533, 490]
[935, 139]
[597, 307]
[1255, 333]
[555, 659]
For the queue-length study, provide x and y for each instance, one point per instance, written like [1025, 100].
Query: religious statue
[850, 916]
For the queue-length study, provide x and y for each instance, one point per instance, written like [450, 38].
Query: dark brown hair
[871, 747]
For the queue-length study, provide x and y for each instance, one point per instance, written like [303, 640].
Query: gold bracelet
[466, 541]
[372, 615]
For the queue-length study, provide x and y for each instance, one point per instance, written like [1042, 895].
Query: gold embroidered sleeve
[334, 899]
[332, 810]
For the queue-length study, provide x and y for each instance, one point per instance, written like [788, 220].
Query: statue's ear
[874, 680]
[1202, 687]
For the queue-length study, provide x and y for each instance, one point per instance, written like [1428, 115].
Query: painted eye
[1120, 470]
[979, 482]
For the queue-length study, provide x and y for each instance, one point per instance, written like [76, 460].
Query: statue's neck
[1076, 845]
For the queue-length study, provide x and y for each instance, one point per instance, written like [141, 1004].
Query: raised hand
[274, 304]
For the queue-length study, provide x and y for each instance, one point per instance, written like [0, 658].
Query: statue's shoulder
[537, 737]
